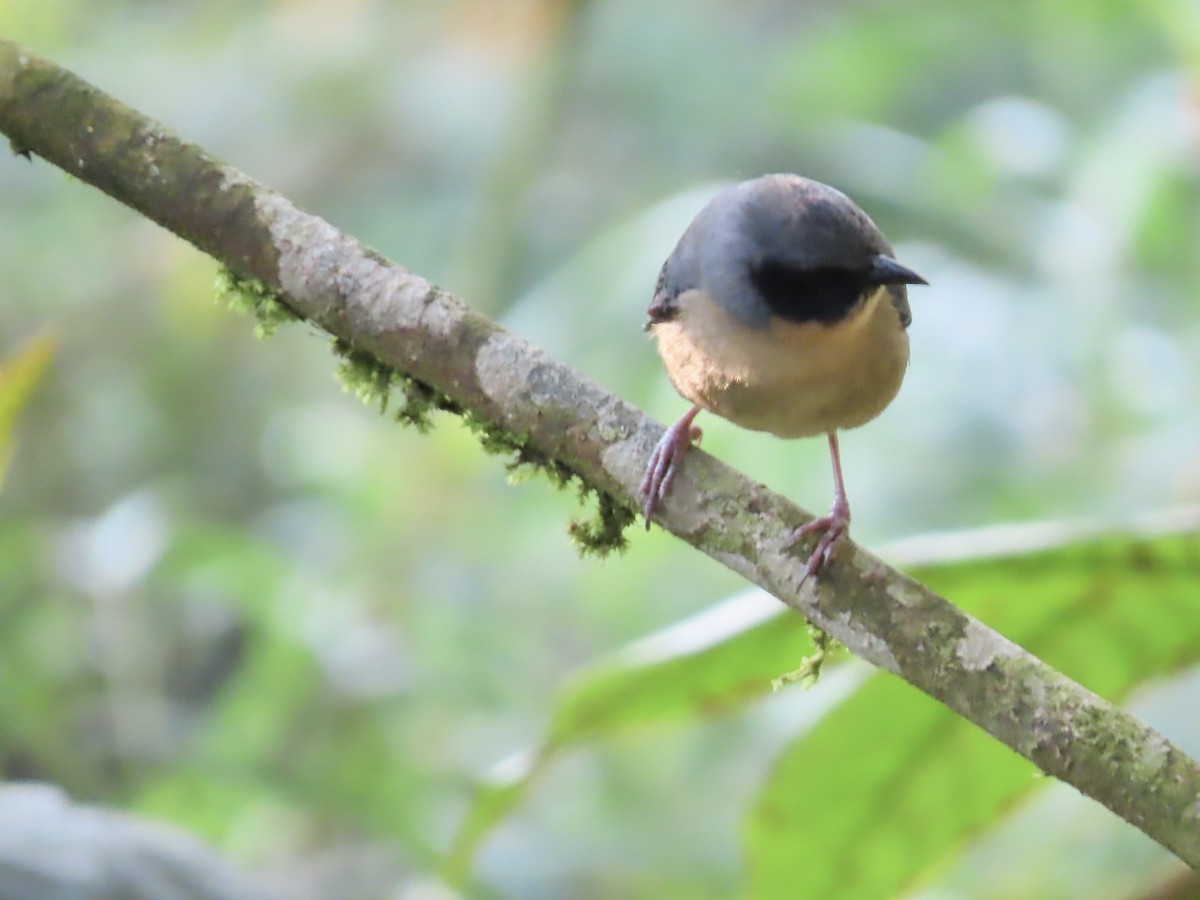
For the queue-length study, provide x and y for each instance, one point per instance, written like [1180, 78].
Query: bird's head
[787, 247]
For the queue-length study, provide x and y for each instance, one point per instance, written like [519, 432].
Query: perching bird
[781, 309]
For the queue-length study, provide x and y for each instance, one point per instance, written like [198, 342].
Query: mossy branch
[398, 331]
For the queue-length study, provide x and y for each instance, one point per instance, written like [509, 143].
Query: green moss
[525, 458]
[375, 384]
[599, 535]
[809, 669]
[605, 531]
[251, 296]
[364, 377]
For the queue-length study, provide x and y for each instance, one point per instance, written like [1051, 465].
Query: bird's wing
[665, 305]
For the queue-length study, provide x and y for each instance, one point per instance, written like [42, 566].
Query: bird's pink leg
[664, 462]
[833, 527]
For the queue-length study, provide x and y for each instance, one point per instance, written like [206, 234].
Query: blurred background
[234, 599]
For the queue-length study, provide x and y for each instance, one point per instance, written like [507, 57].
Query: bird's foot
[833, 529]
[664, 462]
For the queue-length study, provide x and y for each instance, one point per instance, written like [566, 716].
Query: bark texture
[403, 322]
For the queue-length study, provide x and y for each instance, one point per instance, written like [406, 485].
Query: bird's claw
[664, 462]
[833, 529]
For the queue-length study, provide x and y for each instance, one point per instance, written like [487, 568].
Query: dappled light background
[236, 599]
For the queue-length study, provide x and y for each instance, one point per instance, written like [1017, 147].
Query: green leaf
[719, 659]
[19, 375]
[922, 780]
[906, 749]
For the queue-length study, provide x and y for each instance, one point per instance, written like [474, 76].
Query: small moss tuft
[373, 382]
[599, 535]
[251, 296]
[809, 669]
[605, 531]
[420, 400]
[364, 376]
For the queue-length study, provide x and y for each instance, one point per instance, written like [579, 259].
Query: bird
[782, 309]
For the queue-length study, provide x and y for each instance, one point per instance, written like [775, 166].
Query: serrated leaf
[891, 782]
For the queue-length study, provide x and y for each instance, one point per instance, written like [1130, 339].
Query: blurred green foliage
[19, 375]
[234, 598]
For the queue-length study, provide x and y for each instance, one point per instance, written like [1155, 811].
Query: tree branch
[473, 365]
